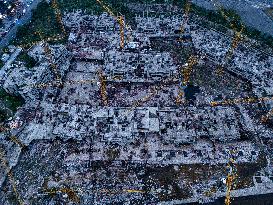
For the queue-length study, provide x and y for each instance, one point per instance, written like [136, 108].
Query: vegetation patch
[231, 20]
[10, 101]
[28, 60]
[269, 12]
[3, 115]
[90, 6]
[43, 25]
[1, 64]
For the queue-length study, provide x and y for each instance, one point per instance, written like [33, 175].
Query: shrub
[28, 60]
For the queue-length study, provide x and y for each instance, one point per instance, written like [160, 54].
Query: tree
[29, 61]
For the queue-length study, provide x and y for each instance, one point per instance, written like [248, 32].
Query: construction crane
[120, 20]
[230, 178]
[186, 17]
[153, 92]
[179, 97]
[53, 65]
[48, 53]
[234, 44]
[10, 176]
[17, 141]
[236, 38]
[235, 41]
[133, 191]
[58, 15]
[54, 38]
[247, 100]
[114, 191]
[46, 47]
[70, 193]
[186, 72]
[45, 85]
[192, 60]
[266, 117]
[220, 9]
[103, 5]
[103, 88]
[229, 181]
